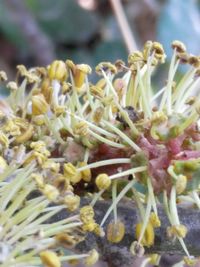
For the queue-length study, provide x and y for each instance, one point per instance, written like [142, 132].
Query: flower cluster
[63, 137]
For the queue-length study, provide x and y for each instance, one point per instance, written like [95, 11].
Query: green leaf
[65, 21]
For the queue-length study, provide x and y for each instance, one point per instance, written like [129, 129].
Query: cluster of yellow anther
[60, 129]
[71, 173]
[177, 231]
[87, 218]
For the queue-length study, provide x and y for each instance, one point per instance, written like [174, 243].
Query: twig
[124, 25]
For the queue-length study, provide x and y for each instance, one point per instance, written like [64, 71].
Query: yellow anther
[22, 69]
[4, 140]
[194, 61]
[74, 262]
[11, 128]
[179, 46]
[98, 230]
[38, 179]
[50, 191]
[177, 231]
[135, 57]
[158, 117]
[50, 259]
[115, 231]
[154, 220]
[81, 128]
[159, 51]
[66, 87]
[190, 261]
[96, 91]
[61, 183]
[40, 147]
[137, 249]
[107, 67]
[181, 184]
[39, 120]
[71, 173]
[3, 164]
[59, 110]
[81, 70]
[65, 240]
[39, 105]
[57, 70]
[72, 202]
[103, 181]
[86, 214]
[3, 76]
[12, 86]
[46, 89]
[29, 75]
[85, 174]
[149, 235]
[154, 259]
[52, 165]
[101, 83]
[90, 226]
[98, 114]
[25, 136]
[92, 258]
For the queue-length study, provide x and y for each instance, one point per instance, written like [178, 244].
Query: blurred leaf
[10, 31]
[64, 21]
[110, 51]
[180, 20]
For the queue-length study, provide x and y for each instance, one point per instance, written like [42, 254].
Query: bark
[118, 255]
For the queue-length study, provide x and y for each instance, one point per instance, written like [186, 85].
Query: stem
[104, 162]
[118, 198]
[128, 172]
[124, 25]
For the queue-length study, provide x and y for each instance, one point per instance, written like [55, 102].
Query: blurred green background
[34, 32]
